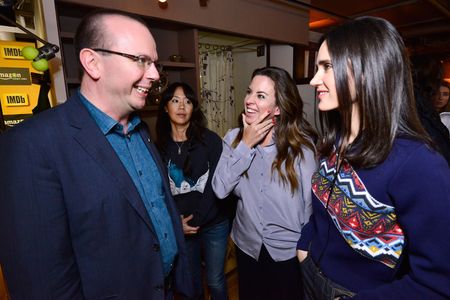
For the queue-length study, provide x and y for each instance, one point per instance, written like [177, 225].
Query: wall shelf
[66, 35]
[170, 39]
[176, 65]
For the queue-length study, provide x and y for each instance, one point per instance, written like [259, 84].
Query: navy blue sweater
[386, 234]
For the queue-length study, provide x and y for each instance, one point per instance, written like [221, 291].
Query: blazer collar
[90, 137]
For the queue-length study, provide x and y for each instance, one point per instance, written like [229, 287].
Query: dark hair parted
[369, 53]
[92, 33]
[292, 130]
[197, 123]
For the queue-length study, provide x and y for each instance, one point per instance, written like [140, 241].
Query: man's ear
[90, 61]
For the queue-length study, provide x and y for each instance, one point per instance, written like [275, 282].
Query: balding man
[86, 211]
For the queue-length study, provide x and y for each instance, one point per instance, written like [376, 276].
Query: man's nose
[152, 73]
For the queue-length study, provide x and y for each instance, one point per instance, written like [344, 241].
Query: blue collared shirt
[142, 168]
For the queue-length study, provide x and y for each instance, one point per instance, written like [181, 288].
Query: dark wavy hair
[292, 130]
[197, 123]
[369, 52]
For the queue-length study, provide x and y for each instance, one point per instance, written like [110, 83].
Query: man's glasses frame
[142, 60]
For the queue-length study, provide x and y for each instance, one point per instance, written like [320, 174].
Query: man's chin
[138, 105]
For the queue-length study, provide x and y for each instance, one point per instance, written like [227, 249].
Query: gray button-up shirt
[267, 212]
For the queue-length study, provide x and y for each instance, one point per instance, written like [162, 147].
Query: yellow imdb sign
[18, 93]
[16, 100]
[12, 51]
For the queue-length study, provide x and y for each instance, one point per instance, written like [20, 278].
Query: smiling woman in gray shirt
[267, 163]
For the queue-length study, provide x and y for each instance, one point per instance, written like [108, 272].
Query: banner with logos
[19, 90]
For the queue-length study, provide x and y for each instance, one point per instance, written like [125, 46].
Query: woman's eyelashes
[259, 95]
[324, 65]
[177, 101]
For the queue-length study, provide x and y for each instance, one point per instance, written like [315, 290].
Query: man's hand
[186, 228]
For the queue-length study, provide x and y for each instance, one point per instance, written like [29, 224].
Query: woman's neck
[268, 139]
[179, 132]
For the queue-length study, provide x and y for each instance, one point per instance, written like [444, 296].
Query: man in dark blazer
[85, 207]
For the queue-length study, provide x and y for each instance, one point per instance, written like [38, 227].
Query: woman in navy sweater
[381, 196]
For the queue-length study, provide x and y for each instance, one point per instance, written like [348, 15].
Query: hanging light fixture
[163, 4]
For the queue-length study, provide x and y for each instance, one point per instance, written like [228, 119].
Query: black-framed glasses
[143, 61]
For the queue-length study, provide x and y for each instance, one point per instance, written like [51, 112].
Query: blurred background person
[381, 194]
[441, 103]
[191, 153]
[440, 100]
[427, 76]
[267, 163]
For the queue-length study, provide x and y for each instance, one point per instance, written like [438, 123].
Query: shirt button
[156, 247]
[140, 173]
[159, 288]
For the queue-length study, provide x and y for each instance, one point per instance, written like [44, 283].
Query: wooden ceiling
[423, 24]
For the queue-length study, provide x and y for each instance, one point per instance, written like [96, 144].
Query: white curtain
[217, 90]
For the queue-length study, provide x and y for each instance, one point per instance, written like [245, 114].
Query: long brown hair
[292, 130]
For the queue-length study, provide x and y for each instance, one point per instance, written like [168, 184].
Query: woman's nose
[316, 80]
[248, 98]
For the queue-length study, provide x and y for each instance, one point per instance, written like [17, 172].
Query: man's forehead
[112, 22]
[119, 27]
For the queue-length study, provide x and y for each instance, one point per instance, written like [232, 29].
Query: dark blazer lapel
[89, 136]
